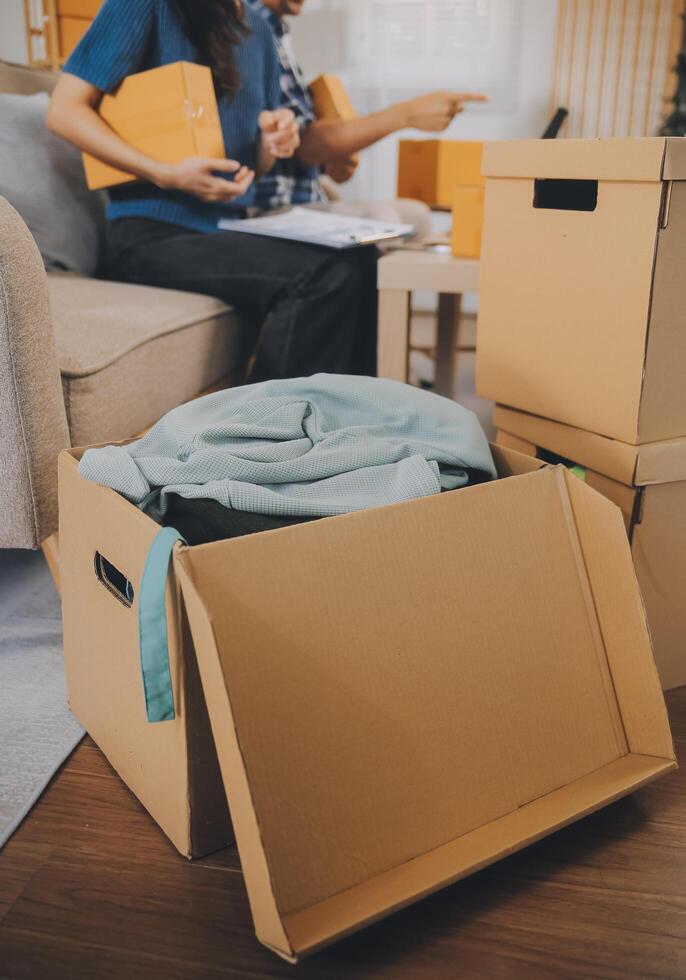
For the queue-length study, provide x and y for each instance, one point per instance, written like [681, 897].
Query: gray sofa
[84, 361]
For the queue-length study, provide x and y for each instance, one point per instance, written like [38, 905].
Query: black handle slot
[113, 580]
[566, 195]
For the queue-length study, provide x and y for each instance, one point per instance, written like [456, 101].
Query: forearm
[325, 140]
[265, 160]
[82, 126]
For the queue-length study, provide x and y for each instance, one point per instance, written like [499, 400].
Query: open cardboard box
[582, 283]
[398, 697]
[648, 483]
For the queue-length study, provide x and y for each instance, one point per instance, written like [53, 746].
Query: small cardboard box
[582, 286]
[468, 221]
[330, 98]
[429, 170]
[648, 483]
[169, 113]
[399, 696]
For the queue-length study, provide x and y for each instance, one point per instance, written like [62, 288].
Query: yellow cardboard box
[331, 100]
[169, 113]
[468, 221]
[429, 170]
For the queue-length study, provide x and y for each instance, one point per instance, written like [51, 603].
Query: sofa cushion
[24, 80]
[41, 175]
[128, 354]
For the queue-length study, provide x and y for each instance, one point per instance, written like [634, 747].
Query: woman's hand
[279, 132]
[196, 175]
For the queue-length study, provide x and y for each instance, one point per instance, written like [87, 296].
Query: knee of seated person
[343, 273]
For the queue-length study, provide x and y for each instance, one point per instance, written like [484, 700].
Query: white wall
[12, 31]
[319, 42]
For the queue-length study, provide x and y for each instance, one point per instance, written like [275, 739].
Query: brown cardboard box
[70, 30]
[172, 767]
[398, 697]
[331, 100]
[429, 170]
[78, 8]
[582, 286]
[169, 113]
[648, 483]
[468, 221]
[74, 17]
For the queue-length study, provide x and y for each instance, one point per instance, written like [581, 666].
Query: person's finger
[242, 186]
[283, 139]
[281, 146]
[224, 166]
[285, 119]
[469, 97]
[267, 121]
[219, 184]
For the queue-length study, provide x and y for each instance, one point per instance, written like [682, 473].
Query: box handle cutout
[565, 195]
[113, 580]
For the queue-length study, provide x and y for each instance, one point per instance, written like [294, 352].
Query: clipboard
[318, 228]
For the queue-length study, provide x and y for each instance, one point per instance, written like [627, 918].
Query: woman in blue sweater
[316, 305]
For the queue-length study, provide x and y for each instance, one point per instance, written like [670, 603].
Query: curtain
[613, 61]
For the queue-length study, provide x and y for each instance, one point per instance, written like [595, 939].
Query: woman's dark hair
[215, 27]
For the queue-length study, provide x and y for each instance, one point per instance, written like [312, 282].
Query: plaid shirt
[288, 182]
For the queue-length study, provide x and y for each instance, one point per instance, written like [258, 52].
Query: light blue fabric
[302, 447]
[152, 627]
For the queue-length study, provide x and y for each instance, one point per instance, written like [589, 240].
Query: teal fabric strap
[152, 627]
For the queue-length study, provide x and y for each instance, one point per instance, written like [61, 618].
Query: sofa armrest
[33, 422]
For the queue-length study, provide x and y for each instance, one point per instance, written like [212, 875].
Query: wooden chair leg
[393, 345]
[51, 551]
[446, 342]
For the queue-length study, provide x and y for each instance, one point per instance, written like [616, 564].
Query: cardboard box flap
[650, 463]
[675, 158]
[348, 667]
[581, 159]
[312, 928]
[622, 619]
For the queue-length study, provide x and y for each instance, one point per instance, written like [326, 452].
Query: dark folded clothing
[202, 520]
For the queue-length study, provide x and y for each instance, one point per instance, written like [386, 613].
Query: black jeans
[316, 306]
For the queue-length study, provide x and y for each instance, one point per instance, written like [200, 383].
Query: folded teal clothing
[311, 447]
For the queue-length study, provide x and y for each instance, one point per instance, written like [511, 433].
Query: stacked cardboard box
[74, 17]
[397, 697]
[581, 335]
[446, 174]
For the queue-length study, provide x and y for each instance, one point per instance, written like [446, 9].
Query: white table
[399, 274]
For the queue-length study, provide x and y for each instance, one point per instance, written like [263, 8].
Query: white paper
[319, 227]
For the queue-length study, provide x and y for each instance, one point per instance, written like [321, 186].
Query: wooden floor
[89, 888]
